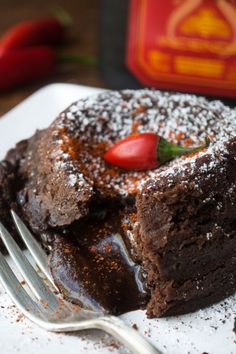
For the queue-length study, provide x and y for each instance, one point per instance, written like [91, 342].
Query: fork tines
[46, 300]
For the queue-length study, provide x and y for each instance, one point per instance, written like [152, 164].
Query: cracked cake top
[71, 150]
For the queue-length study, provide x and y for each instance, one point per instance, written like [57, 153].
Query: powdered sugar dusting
[111, 116]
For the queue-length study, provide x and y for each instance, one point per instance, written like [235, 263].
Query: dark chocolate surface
[188, 234]
[180, 242]
[92, 266]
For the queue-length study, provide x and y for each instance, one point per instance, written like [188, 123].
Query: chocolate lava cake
[120, 240]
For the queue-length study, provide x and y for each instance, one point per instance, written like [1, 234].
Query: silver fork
[44, 307]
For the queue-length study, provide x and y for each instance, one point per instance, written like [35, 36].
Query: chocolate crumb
[135, 326]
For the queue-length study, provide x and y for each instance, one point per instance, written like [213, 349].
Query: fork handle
[128, 336]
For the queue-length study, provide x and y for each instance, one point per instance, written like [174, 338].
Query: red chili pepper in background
[29, 64]
[47, 31]
[145, 151]
[24, 65]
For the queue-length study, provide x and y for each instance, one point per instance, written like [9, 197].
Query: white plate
[209, 330]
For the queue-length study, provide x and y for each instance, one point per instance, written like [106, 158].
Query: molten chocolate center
[93, 266]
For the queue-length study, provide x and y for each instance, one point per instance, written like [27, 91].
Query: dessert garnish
[146, 151]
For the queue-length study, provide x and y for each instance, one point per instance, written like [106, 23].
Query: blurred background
[181, 45]
[82, 38]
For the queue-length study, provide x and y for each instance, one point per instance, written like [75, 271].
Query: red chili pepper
[29, 64]
[25, 65]
[47, 31]
[145, 151]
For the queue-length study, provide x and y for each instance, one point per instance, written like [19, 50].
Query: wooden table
[83, 38]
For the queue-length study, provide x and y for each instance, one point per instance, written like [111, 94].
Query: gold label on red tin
[184, 44]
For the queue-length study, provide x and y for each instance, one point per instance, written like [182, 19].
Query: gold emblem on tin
[195, 25]
[206, 23]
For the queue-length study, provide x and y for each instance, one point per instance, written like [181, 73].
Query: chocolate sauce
[92, 267]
